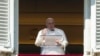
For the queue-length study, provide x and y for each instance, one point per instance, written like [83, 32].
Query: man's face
[50, 24]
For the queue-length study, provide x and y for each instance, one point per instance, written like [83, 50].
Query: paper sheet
[50, 40]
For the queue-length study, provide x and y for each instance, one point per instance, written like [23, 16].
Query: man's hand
[58, 42]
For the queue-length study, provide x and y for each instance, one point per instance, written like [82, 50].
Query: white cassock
[53, 50]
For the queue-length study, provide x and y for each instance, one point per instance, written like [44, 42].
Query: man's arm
[64, 42]
[38, 41]
[41, 40]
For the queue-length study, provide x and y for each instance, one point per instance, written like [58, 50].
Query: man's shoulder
[42, 29]
[58, 29]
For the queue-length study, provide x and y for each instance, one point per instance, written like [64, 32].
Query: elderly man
[59, 48]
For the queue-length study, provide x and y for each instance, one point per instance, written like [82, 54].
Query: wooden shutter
[97, 24]
[4, 23]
